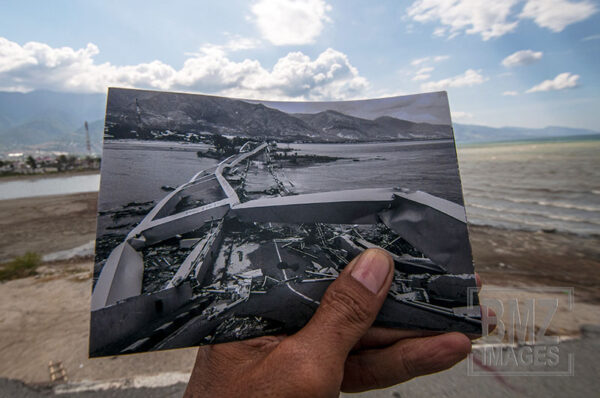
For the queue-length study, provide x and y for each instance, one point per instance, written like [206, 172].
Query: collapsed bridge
[434, 226]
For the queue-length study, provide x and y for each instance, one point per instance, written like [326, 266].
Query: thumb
[349, 306]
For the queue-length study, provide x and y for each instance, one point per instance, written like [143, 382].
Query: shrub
[20, 267]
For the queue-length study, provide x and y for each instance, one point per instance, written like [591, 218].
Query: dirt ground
[46, 317]
[46, 224]
[520, 258]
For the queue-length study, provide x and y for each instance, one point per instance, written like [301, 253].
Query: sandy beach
[56, 174]
[46, 224]
[45, 318]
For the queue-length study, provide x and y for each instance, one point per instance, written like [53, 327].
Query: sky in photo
[529, 63]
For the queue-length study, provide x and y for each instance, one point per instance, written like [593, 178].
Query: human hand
[338, 350]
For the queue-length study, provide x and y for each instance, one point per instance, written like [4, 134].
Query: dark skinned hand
[338, 350]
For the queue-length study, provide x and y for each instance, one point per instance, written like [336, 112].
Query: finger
[348, 307]
[378, 337]
[404, 360]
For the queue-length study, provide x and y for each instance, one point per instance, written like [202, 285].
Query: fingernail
[371, 270]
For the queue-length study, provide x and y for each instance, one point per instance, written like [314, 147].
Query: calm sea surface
[44, 186]
[517, 186]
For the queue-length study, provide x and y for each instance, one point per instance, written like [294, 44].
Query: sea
[536, 186]
[550, 186]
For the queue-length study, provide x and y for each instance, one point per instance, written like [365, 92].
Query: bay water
[531, 186]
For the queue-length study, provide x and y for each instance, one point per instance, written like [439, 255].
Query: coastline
[54, 174]
[529, 141]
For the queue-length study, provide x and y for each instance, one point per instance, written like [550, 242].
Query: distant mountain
[54, 121]
[471, 134]
[147, 114]
[143, 114]
[49, 120]
[335, 126]
[18, 108]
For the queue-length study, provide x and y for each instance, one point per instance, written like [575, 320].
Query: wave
[545, 203]
[510, 222]
[532, 213]
[513, 187]
[500, 221]
[529, 227]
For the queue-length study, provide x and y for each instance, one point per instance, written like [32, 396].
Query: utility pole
[87, 138]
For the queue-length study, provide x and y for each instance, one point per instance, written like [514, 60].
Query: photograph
[223, 219]
[300, 198]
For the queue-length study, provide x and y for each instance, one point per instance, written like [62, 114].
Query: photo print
[222, 219]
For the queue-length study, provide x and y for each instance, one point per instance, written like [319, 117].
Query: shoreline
[539, 140]
[57, 174]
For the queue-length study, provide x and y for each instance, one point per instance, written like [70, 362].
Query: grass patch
[21, 267]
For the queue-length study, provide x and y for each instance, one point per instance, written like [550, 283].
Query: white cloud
[510, 93]
[469, 78]
[290, 22]
[557, 14]
[423, 74]
[238, 43]
[496, 18]
[426, 69]
[487, 18]
[592, 37]
[461, 115]
[419, 61]
[523, 57]
[437, 58]
[35, 66]
[560, 82]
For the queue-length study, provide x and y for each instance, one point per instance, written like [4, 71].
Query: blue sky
[528, 63]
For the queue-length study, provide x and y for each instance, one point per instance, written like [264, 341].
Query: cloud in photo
[492, 19]
[558, 14]
[434, 59]
[37, 66]
[561, 82]
[423, 74]
[510, 93]
[591, 37]
[459, 115]
[523, 57]
[467, 79]
[487, 18]
[290, 22]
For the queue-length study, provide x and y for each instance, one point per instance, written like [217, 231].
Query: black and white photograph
[223, 219]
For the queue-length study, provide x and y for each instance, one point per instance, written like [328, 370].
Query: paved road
[452, 383]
